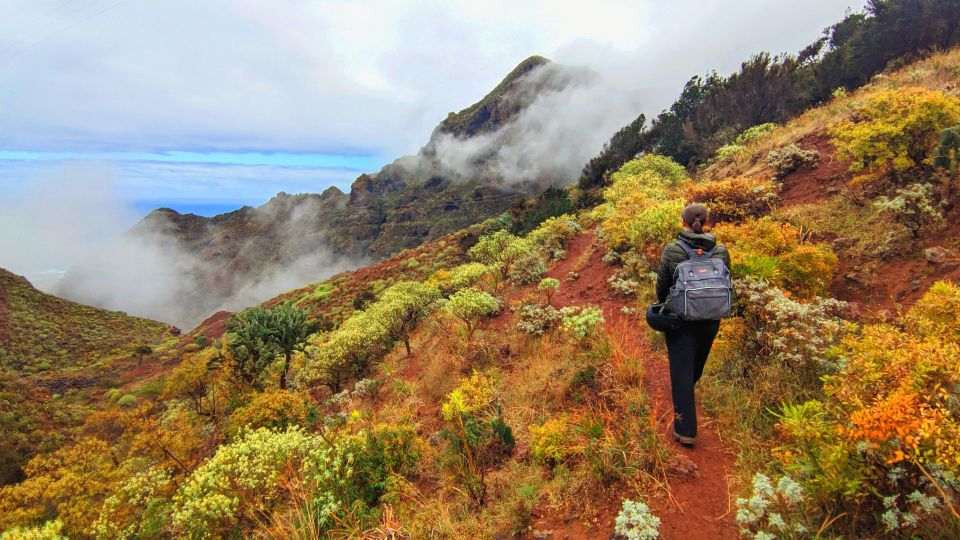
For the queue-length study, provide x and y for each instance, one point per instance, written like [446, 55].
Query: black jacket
[674, 254]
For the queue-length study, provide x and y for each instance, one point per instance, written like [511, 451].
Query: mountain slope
[39, 332]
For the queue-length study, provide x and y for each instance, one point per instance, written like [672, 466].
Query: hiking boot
[684, 440]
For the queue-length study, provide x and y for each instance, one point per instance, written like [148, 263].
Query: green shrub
[345, 354]
[727, 151]
[470, 306]
[501, 251]
[402, 306]
[458, 277]
[549, 286]
[128, 400]
[755, 132]
[662, 167]
[582, 323]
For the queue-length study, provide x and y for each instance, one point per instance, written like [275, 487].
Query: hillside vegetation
[500, 381]
[40, 332]
[48, 347]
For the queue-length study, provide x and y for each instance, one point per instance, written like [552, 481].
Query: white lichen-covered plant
[789, 332]
[773, 512]
[636, 522]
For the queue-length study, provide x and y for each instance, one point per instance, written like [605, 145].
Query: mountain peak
[494, 109]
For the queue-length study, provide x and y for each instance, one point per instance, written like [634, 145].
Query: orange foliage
[735, 199]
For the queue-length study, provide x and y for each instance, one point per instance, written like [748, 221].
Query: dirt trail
[699, 502]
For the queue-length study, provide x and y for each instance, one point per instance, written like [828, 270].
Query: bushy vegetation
[886, 428]
[478, 438]
[636, 522]
[643, 203]
[791, 158]
[470, 306]
[895, 130]
[776, 253]
[735, 199]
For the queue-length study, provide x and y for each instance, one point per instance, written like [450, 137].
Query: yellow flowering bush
[73, 481]
[275, 409]
[477, 437]
[552, 442]
[894, 129]
[458, 277]
[775, 252]
[735, 199]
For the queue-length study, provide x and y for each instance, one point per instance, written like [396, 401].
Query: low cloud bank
[74, 220]
[551, 139]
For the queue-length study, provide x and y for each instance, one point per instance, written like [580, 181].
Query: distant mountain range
[240, 258]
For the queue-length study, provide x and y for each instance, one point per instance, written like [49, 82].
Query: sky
[208, 106]
[235, 100]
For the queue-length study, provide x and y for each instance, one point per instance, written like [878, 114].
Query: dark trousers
[688, 348]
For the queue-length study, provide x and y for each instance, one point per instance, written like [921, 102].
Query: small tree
[402, 306]
[471, 305]
[549, 286]
[501, 250]
[262, 334]
[140, 351]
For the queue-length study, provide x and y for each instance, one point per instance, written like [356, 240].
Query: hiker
[696, 324]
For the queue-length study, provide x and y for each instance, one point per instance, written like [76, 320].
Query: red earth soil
[877, 290]
[698, 504]
[213, 327]
[809, 185]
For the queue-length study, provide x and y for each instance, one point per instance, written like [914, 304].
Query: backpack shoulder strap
[692, 251]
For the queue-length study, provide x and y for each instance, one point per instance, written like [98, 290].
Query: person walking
[688, 345]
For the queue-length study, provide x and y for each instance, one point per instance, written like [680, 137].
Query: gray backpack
[702, 287]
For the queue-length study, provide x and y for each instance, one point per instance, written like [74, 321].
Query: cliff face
[295, 239]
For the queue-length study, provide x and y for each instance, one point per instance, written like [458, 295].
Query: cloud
[135, 180]
[58, 217]
[73, 217]
[551, 139]
[339, 75]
